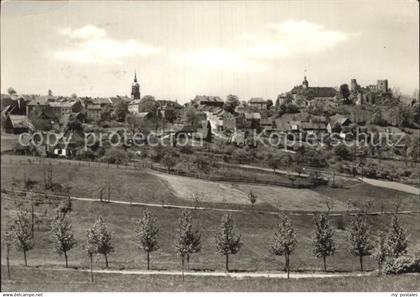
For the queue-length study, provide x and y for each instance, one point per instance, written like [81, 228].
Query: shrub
[85, 154]
[115, 156]
[242, 156]
[370, 171]
[401, 265]
[186, 149]
[343, 152]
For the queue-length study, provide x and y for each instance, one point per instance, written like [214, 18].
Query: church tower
[135, 88]
[305, 83]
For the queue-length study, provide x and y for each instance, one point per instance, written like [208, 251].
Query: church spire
[135, 88]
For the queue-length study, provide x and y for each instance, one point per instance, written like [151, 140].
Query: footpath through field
[391, 185]
[237, 275]
[162, 205]
[374, 182]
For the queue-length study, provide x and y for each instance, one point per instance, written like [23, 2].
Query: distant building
[252, 120]
[208, 100]
[259, 103]
[59, 109]
[93, 112]
[229, 121]
[382, 86]
[354, 87]
[303, 95]
[163, 104]
[16, 124]
[135, 88]
[281, 99]
[266, 124]
[134, 106]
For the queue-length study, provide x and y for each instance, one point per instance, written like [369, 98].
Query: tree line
[387, 246]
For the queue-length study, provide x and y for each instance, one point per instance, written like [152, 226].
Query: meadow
[255, 226]
[35, 279]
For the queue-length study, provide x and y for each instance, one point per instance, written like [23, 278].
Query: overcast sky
[181, 49]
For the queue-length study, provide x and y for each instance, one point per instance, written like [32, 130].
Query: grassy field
[281, 198]
[33, 279]
[256, 228]
[140, 186]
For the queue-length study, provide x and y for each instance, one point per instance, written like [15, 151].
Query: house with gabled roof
[208, 100]
[258, 103]
[17, 124]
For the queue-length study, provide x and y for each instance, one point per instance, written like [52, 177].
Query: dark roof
[19, 121]
[252, 116]
[203, 98]
[141, 114]
[102, 101]
[257, 100]
[93, 106]
[266, 121]
[282, 124]
[315, 92]
[313, 126]
[339, 119]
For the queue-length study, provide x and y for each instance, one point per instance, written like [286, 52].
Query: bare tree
[252, 198]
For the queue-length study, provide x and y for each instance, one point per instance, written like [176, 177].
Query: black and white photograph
[210, 146]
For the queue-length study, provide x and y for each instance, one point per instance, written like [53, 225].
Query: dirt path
[237, 275]
[289, 212]
[391, 185]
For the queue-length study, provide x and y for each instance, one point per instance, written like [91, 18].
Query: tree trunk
[7, 260]
[227, 262]
[287, 266]
[182, 266]
[91, 268]
[106, 261]
[148, 260]
[361, 263]
[24, 256]
[188, 261]
[65, 257]
[325, 263]
[32, 218]
[380, 267]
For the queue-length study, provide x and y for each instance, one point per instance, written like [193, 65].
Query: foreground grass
[256, 228]
[37, 279]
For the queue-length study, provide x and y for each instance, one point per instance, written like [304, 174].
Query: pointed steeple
[135, 88]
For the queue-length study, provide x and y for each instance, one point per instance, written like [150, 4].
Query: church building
[135, 88]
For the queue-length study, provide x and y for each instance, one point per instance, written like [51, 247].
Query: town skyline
[252, 50]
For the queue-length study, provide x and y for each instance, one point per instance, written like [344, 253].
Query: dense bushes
[402, 264]
[115, 156]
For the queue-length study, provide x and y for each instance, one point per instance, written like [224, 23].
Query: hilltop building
[303, 94]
